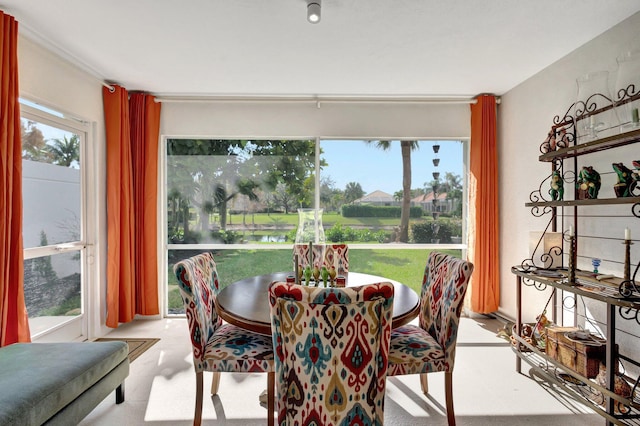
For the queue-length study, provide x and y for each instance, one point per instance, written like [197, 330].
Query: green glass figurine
[307, 274]
[557, 186]
[324, 273]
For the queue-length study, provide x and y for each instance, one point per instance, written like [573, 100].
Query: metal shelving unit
[621, 295]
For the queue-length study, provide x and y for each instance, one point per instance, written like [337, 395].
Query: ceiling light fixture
[313, 11]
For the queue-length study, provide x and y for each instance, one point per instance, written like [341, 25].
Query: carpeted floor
[136, 346]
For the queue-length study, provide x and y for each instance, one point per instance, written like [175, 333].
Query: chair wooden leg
[271, 400]
[197, 416]
[424, 383]
[448, 389]
[215, 383]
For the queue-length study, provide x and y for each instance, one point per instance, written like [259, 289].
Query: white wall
[525, 116]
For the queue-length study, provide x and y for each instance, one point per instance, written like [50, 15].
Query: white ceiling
[360, 48]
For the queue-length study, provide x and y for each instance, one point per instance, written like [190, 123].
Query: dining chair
[219, 347]
[331, 347]
[431, 346]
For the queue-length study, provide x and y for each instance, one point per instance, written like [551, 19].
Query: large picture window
[387, 199]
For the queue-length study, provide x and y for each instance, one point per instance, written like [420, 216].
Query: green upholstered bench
[59, 383]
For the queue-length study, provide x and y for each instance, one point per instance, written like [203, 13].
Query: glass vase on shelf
[592, 118]
[627, 90]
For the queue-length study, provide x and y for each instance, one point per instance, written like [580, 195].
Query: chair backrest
[331, 348]
[199, 285]
[443, 288]
[328, 255]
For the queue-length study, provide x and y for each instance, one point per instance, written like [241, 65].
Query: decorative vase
[591, 117]
[627, 90]
[310, 227]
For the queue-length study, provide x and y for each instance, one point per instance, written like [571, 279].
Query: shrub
[366, 210]
[227, 237]
[425, 232]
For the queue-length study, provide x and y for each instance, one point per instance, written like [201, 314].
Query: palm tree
[352, 192]
[65, 152]
[406, 147]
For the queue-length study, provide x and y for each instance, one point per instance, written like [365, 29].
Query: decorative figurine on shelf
[563, 139]
[588, 183]
[549, 143]
[626, 180]
[635, 191]
[620, 387]
[316, 274]
[557, 186]
[595, 262]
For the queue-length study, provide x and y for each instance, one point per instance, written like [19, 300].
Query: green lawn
[405, 266]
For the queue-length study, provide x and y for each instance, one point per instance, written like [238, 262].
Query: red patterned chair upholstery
[331, 347]
[218, 347]
[328, 255]
[431, 347]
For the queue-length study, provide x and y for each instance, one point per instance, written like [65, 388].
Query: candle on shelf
[592, 122]
[634, 116]
[627, 234]
[571, 234]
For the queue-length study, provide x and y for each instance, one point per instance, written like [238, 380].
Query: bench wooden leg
[120, 394]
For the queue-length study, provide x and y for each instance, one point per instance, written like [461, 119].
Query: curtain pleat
[483, 207]
[120, 250]
[132, 130]
[145, 128]
[14, 320]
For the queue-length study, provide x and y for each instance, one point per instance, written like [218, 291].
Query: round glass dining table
[245, 303]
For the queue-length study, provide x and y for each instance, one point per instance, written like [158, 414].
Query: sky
[375, 169]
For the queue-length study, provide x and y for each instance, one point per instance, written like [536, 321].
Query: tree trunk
[223, 215]
[406, 191]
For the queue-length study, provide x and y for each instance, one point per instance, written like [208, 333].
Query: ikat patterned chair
[331, 347]
[431, 347]
[329, 255]
[218, 347]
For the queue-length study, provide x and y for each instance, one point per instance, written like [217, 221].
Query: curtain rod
[318, 100]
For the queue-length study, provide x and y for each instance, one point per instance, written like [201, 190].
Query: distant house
[442, 205]
[378, 198]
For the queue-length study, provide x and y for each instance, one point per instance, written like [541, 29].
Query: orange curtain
[14, 322]
[132, 130]
[483, 207]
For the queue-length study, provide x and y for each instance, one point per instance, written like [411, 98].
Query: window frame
[76, 327]
[279, 246]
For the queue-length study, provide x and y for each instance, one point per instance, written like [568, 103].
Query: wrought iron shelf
[621, 296]
[595, 202]
[579, 387]
[604, 291]
[614, 141]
